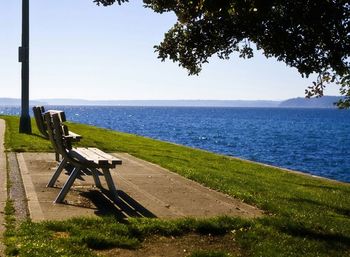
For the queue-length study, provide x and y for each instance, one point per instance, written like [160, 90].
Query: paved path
[145, 190]
[3, 184]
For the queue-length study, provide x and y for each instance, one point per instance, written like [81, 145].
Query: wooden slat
[91, 156]
[39, 119]
[61, 114]
[75, 136]
[114, 160]
[80, 155]
[102, 159]
[82, 151]
[72, 137]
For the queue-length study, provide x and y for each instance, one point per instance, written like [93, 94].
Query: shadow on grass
[326, 187]
[333, 239]
[340, 211]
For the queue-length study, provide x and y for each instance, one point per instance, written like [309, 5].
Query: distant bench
[81, 158]
[39, 111]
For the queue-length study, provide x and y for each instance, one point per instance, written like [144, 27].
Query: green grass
[305, 216]
[80, 236]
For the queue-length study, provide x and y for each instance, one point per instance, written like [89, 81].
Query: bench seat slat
[112, 159]
[93, 157]
[81, 155]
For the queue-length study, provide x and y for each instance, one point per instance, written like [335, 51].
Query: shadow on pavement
[122, 209]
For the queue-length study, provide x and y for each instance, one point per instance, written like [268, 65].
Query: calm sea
[315, 141]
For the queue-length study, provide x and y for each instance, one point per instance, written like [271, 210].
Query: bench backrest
[39, 112]
[59, 135]
[39, 119]
[57, 132]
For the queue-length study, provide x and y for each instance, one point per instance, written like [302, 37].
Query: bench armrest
[75, 136]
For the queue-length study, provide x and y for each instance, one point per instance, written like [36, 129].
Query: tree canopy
[312, 36]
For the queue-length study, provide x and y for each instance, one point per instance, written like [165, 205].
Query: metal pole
[25, 124]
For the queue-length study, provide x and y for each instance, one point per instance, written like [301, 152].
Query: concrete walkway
[145, 190]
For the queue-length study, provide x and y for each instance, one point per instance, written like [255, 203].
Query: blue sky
[80, 50]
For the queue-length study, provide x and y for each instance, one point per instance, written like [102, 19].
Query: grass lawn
[305, 216]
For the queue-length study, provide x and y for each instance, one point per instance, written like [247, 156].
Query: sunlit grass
[305, 216]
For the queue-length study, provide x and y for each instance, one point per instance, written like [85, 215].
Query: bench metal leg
[97, 180]
[57, 156]
[57, 173]
[110, 184]
[62, 194]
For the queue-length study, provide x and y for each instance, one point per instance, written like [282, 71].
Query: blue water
[315, 141]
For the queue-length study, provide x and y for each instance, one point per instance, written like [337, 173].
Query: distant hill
[185, 103]
[323, 102]
[300, 102]
[17, 102]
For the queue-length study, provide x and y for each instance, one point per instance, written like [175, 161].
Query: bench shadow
[125, 207]
[105, 204]
[341, 211]
[324, 187]
[333, 240]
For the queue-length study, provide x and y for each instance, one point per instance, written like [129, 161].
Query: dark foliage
[109, 2]
[312, 36]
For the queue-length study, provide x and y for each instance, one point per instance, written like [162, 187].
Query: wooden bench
[39, 111]
[91, 159]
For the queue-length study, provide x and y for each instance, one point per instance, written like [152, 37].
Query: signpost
[25, 124]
